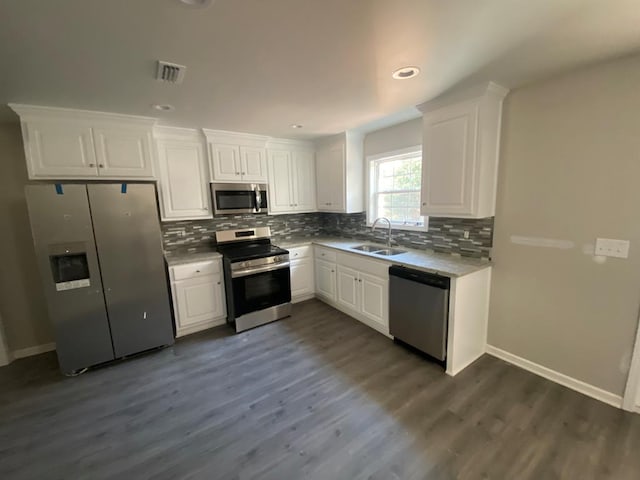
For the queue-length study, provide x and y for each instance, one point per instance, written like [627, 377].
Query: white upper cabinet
[292, 179]
[59, 148]
[236, 157]
[123, 151]
[76, 144]
[183, 174]
[225, 162]
[461, 141]
[340, 173]
[253, 164]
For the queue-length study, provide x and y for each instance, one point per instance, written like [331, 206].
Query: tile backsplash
[445, 235]
[197, 235]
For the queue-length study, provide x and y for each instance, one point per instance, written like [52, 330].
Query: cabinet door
[330, 177]
[326, 279]
[301, 277]
[304, 180]
[375, 299]
[449, 160]
[123, 152]
[184, 182]
[60, 149]
[254, 164]
[280, 182]
[198, 300]
[225, 162]
[347, 288]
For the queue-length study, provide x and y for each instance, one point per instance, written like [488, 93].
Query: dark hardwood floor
[316, 396]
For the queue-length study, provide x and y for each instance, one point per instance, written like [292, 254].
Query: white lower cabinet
[364, 296]
[355, 285]
[302, 281]
[198, 296]
[325, 279]
[375, 299]
[348, 288]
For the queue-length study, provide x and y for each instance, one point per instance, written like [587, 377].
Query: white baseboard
[302, 298]
[557, 377]
[30, 351]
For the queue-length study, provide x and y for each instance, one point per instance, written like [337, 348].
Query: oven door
[239, 198]
[264, 289]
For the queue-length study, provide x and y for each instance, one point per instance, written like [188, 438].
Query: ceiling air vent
[170, 72]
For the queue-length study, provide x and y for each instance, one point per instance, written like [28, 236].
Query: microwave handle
[258, 199]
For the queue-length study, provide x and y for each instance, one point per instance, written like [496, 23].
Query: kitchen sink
[389, 251]
[367, 248]
[378, 250]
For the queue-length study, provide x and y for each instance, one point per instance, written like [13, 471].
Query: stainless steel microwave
[239, 198]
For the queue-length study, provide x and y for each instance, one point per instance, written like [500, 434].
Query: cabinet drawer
[359, 262]
[325, 254]
[193, 270]
[299, 252]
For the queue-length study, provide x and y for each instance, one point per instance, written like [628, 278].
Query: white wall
[22, 303]
[570, 170]
[403, 135]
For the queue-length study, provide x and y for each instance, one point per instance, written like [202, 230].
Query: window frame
[371, 190]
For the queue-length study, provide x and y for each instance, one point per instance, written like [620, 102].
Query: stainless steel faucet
[373, 227]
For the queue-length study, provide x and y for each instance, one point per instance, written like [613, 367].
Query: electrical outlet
[609, 247]
[466, 234]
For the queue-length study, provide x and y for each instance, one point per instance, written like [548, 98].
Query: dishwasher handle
[437, 281]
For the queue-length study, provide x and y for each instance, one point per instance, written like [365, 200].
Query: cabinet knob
[92, 164]
[332, 271]
[424, 204]
[218, 283]
[197, 271]
[360, 280]
[237, 173]
[100, 165]
[243, 173]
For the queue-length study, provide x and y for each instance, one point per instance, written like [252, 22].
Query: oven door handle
[253, 270]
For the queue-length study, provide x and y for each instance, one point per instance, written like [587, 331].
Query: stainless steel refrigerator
[99, 251]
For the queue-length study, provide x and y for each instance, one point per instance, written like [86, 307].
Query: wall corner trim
[557, 377]
[35, 350]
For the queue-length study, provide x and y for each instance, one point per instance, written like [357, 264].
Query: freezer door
[129, 242]
[68, 263]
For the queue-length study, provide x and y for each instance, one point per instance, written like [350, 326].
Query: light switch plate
[610, 247]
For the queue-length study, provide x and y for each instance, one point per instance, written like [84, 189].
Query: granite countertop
[182, 257]
[428, 261]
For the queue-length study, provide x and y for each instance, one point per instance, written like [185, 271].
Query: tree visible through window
[395, 189]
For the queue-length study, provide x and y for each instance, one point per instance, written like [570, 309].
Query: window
[394, 188]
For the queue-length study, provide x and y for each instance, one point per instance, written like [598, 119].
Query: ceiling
[261, 65]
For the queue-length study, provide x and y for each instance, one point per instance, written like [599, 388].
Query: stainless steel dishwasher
[419, 309]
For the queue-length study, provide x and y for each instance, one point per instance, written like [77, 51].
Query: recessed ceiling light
[405, 72]
[164, 107]
[197, 3]
[295, 125]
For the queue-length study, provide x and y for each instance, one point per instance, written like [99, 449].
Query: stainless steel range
[256, 277]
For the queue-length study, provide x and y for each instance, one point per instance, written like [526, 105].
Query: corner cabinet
[292, 179]
[461, 141]
[236, 157]
[76, 144]
[340, 173]
[198, 296]
[183, 174]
